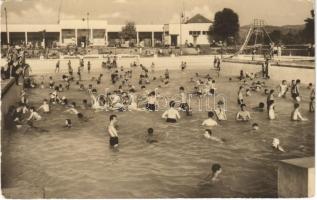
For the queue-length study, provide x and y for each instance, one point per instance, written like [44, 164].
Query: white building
[100, 33]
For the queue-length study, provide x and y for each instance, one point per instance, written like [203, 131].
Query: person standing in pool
[88, 67]
[210, 121]
[312, 101]
[57, 67]
[113, 132]
[171, 115]
[150, 137]
[270, 99]
[218, 67]
[296, 115]
[183, 105]
[240, 96]
[283, 88]
[153, 67]
[295, 91]
[70, 69]
[243, 115]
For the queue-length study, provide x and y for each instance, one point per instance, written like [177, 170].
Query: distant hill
[284, 29]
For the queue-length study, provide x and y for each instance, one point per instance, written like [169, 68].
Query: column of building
[76, 36]
[60, 37]
[26, 38]
[91, 39]
[106, 35]
[8, 37]
[153, 39]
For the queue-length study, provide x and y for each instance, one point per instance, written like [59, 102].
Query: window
[190, 32]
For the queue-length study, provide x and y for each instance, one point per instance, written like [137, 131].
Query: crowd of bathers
[129, 97]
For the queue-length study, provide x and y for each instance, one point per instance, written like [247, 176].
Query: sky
[274, 12]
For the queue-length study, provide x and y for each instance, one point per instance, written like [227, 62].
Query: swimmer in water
[171, 115]
[215, 172]
[68, 123]
[45, 107]
[113, 132]
[255, 126]
[243, 115]
[73, 110]
[276, 145]
[150, 137]
[34, 116]
[208, 135]
[210, 121]
[260, 108]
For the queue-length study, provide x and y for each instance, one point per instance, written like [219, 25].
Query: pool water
[78, 163]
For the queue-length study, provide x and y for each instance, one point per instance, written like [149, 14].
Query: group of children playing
[245, 91]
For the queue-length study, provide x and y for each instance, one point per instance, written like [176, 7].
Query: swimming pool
[77, 162]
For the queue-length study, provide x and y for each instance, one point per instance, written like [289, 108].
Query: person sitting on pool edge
[171, 115]
[113, 132]
[210, 122]
[150, 137]
[243, 115]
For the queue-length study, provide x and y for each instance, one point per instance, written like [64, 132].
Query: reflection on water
[78, 162]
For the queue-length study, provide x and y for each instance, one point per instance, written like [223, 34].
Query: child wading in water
[45, 107]
[171, 115]
[34, 116]
[150, 137]
[296, 115]
[283, 88]
[271, 110]
[240, 95]
[113, 132]
[220, 111]
[183, 105]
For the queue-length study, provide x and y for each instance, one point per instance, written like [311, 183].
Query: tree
[308, 32]
[128, 32]
[276, 36]
[226, 24]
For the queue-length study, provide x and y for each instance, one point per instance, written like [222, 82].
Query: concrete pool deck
[288, 68]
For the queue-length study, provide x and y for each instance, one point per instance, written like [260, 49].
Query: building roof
[198, 19]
